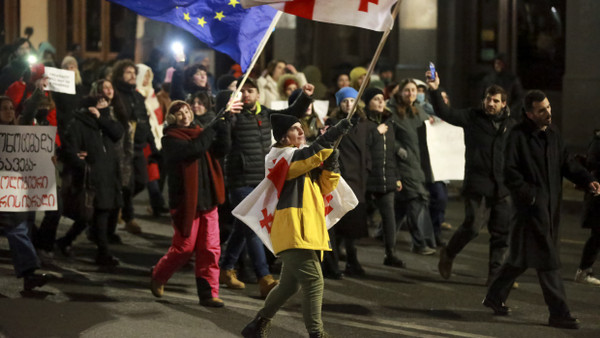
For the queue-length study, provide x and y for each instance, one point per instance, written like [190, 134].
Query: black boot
[258, 328]
[353, 267]
[391, 260]
[205, 294]
[32, 280]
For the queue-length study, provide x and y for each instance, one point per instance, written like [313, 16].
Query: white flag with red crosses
[258, 208]
[370, 14]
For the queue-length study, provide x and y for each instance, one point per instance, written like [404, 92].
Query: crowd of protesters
[132, 127]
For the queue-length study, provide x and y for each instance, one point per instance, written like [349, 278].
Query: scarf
[186, 211]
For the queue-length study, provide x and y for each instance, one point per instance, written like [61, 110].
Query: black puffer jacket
[97, 137]
[251, 142]
[383, 172]
[484, 143]
[135, 109]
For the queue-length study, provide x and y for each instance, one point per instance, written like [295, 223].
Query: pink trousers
[204, 240]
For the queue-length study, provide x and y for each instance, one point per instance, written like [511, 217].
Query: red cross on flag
[258, 208]
[371, 14]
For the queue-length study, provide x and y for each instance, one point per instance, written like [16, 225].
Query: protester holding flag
[196, 187]
[298, 223]
[244, 170]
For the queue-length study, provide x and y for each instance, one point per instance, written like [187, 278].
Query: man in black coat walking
[536, 162]
[124, 79]
[487, 200]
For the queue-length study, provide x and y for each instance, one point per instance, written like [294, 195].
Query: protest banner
[60, 80]
[27, 174]
[446, 151]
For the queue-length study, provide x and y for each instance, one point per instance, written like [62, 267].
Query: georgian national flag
[258, 208]
[371, 14]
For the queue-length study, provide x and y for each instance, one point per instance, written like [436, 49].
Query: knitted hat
[289, 82]
[224, 81]
[369, 94]
[294, 96]
[355, 74]
[345, 93]
[281, 123]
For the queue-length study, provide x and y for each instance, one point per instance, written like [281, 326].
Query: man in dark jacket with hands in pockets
[536, 162]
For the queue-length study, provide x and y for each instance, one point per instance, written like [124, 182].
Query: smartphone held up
[432, 70]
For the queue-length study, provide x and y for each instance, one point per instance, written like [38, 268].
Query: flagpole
[259, 50]
[364, 84]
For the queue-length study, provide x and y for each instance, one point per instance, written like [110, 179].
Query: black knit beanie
[224, 81]
[369, 94]
[281, 123]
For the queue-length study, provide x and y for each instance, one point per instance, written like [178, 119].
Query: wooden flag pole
[259, 50]
[363, 86]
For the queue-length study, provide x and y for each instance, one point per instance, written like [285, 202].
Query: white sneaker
[585, 277]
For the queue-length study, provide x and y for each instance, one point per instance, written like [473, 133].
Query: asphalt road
[85, 301]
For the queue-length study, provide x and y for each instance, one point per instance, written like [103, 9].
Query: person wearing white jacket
[155, 117]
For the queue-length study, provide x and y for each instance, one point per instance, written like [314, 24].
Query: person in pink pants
[196, 187]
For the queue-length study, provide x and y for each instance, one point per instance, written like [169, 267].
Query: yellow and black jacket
[299, 219]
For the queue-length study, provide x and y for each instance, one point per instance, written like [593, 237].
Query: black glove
[331, 163]
[345, 125]
[333, 133]
[354, 119]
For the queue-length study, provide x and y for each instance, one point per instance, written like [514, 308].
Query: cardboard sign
[446, 150]
[27, 174]
[60, 80]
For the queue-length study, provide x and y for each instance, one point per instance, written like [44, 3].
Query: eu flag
[222, 24]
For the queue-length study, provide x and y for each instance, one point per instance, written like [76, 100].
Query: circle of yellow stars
[218, 15]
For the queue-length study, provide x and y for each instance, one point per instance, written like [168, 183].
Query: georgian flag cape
[258, 208]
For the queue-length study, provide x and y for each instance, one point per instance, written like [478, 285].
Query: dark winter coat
[205, 119]
[536, 162]
[251, 142]
[410, 136]
[66, 106]
[135, 110]
[11, 73]
[354, 163]
[591, 205]
[383, 172]
[216, 141]
[484, 146]
[97, 137]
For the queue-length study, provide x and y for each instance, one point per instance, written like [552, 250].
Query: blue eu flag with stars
[221, 24]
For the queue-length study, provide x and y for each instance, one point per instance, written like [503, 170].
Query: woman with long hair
[412, 142]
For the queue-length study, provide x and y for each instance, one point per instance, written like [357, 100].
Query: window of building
[102, 29]
[541, 43]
